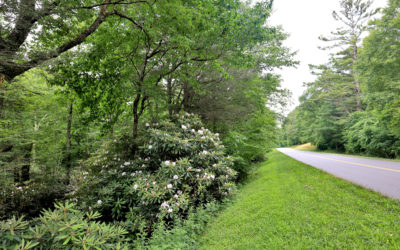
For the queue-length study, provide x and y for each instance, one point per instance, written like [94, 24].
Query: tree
[354, 16]
[379, 66]
[34, 31]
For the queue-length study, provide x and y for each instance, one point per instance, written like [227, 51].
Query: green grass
[289, 205]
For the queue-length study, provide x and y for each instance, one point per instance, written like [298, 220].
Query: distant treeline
[354, 104]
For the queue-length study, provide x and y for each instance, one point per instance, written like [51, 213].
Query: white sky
[305, 21]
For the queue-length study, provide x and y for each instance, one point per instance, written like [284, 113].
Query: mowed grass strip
[289, 205]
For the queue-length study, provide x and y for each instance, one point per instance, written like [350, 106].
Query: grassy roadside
[312, 148]
[289, 205]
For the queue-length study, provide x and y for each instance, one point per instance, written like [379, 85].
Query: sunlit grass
[306, 147]
[289, 205]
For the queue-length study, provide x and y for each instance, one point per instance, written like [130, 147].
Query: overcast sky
[305, 21]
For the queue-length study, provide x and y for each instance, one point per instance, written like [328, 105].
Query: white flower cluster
[208, 176]
[169, 163]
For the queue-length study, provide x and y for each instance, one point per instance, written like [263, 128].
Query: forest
[126, 124]
[353, 105]
[119, 118]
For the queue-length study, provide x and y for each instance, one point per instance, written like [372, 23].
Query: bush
[29, 199]
[178, 164]
[63, 228]
[367, 133]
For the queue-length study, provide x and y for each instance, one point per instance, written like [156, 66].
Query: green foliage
[378, 65]
[62, 228]
[177, 165]
[367, 133]
[251, 141]
[184, 234]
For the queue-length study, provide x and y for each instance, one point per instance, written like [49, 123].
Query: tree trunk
[169, 93]
[187, 96]
[26, 165]
[68, 151]
[2, 95]
[356, 81]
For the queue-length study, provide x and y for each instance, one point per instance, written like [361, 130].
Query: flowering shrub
[178, 164]
[63, 228]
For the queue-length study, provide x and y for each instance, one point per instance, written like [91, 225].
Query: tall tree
[353, 16]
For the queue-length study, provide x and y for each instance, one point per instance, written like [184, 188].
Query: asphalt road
[382, 176]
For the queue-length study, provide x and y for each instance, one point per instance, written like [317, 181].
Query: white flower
[143, 166]
[147, 124]
[127, 163]
[132, 174]
[212, 176]
[176, 177]
[99, 202]
[150, 146]
[122, 166]
[200, 132]
[135, 186]
[205, 152]
[170, 210]
[184, 127]
[169, 186]
[154, 183]
[124, 173]
[216, 134]
[194, 131]
[147, 159]
[167, 163]
[214, 165]
[176, 196]
[164, 204]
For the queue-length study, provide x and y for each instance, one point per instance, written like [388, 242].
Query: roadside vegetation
[118, 119]
[289, 205]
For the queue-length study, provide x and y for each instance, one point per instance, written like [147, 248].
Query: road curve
[379, 175]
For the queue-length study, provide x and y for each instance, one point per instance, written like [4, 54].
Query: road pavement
[382, 176]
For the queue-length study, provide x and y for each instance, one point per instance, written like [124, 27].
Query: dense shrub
[62, 228]
[29, 199]
[366, 133]
[179, 164]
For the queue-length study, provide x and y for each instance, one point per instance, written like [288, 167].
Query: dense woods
[353, 105]
[120, 116]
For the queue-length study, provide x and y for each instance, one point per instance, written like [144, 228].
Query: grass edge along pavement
[312, 148]
[288, 204]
